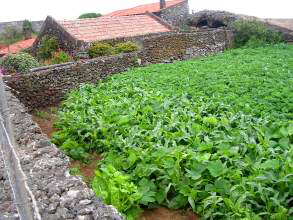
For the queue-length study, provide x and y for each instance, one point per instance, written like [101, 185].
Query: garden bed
[213, 135]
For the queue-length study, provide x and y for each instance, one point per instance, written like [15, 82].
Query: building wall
[45, 87]
[176, 15]
[66, 41]
[37, 25]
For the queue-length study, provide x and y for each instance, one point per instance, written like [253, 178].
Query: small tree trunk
[162, 4]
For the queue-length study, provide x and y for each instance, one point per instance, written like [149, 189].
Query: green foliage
[90, 15]
[49, 45]
[116, 189]
[126, 47]
[254, 34]
[27, 25]
[20, 63]
[100, 49]
[213, 134]
[75, 171]
[60, 57]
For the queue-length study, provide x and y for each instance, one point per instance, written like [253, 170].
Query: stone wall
[47, 85]
[66, 41]
[37, 25]
[58, 195]
[182, 46]
[176, 15]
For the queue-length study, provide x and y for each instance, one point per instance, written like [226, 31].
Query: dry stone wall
[58, 195]
[45, 87]
[182, 46]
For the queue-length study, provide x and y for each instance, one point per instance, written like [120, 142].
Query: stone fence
[48, 85]
[52, 191]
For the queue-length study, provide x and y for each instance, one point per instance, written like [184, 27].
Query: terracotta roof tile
[18, 46]
[154, 7]
[107, 27]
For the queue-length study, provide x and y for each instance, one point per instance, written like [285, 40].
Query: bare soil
[87, 171]
[46, 118]
[167, 214]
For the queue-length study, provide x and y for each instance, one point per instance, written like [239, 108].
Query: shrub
[126, 47]
[254, 33]
[60, 57]
[21, 62]
[89, 15]
[49, 45]
[100, 49]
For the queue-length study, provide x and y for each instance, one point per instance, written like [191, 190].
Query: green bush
[19, 63]
[48, 46]
[253, 33]
[60, 57]
[89, 15]
[100, 49]
[126, 47]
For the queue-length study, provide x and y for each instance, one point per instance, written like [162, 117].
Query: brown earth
[46, 118]
[167, 214]
[87, 171]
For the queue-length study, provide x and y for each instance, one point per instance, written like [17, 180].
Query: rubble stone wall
[45, 87]
[59, 196]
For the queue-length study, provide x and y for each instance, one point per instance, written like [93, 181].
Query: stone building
[174, 12]
[77, 35]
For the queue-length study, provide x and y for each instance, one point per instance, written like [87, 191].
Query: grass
[213, 135]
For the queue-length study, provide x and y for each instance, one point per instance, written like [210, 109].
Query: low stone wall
[58, 194]
[183, 46]
[45, 87]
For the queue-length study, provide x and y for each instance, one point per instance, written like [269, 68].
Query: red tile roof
[105, 27]
[18, 46]
[154, 7]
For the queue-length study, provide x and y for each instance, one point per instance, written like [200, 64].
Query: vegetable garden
[213, 135]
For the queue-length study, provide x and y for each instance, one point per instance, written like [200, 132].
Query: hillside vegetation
[213, 134]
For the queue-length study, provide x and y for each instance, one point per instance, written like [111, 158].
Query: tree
[10, 35]
[89, 15]
[27, 29]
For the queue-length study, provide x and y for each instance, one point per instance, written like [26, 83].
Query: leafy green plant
[213, 134]
[49, 45]
[90, 15]
[75, 171]
[100, 49]
[116, 189]
[60, 57]
[254, 33]
[19, 63]
[126, 47]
